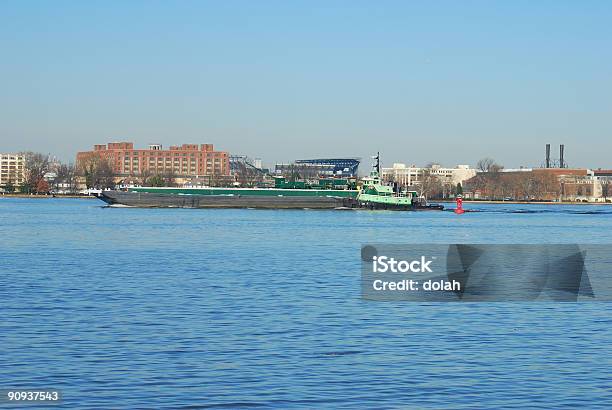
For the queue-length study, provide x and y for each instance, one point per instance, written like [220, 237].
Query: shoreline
[48, 196]
[521, 202]
[448, 201]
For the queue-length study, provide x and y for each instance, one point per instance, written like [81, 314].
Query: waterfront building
[603, 174]
[410, 176]
[12, 169]
[539, 184]
[604, 182]
[187, 160]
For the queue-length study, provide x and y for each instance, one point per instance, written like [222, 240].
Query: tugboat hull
[400, 207]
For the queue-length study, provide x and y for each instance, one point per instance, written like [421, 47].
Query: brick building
[187, 160]
[544, 184]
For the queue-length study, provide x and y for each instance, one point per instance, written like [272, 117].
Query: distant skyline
[448, 82]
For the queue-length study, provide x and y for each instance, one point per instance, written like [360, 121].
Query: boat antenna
[378, 162]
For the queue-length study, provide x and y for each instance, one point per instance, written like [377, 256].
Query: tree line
[491, 183]
[36, 167]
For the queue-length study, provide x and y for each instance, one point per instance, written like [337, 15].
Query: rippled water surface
[180, 308]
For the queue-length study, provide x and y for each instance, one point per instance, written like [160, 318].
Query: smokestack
[547, 155]
[561, 162]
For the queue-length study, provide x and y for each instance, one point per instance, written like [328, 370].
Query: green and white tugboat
[376, 195]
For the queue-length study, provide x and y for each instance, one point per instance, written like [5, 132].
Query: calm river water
[180, 308]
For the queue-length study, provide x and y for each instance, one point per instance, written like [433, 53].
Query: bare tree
[527, 185]
[106, 175]
[98, 172]
[36, 165]
[605, 188]
[215, 179]
[484, 164]
[488, 165]
[547, 187]
[489, 180]
[170, 177]
[248, 175]
[66, 176]
[293, 173]
[145, 174]
[430, 185]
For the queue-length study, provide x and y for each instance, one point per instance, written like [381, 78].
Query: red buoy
[459, 209]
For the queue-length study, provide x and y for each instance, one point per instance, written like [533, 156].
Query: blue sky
[420, 81]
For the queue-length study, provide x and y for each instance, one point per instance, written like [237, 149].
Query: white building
[412, 175]
[12, 169]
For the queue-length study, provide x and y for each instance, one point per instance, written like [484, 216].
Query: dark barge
[173, 200]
